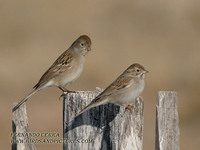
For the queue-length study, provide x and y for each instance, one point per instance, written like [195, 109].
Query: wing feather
[120, 83]
[62, 63]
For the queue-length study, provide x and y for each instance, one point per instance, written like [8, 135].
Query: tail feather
[86, 108]
[94, 103]
[25, 99]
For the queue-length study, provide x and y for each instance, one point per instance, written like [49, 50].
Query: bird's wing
[62, 63]
[122, 82]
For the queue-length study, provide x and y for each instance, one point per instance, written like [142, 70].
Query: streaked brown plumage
[124, 90]
[66, 69]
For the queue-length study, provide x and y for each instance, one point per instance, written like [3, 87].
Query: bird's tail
[25, 99]
[94, 103]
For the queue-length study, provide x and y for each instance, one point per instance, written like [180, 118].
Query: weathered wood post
[101, 128]
[107, 126]
[167, 123]
[20, 125]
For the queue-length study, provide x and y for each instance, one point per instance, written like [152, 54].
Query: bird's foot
[65, 92]
[62, 95]
[128, 107]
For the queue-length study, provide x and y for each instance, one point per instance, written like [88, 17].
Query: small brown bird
[124, 90]
[65, 70]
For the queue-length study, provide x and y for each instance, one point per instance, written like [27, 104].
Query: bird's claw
[65, 93]
[129, 107]
[61, 96]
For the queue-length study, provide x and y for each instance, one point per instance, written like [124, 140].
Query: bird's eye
[82, 44]
[137, 70]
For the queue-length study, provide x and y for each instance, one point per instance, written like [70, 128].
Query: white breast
[72, 74]
[131, 93]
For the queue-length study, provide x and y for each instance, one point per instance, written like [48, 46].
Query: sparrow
[65, 70]
[124, 90]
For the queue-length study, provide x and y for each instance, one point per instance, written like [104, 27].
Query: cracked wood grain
[20, 125]
[101, 128]
[167, 123]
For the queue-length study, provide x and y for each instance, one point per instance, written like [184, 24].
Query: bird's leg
[127, 107]
[65, 91]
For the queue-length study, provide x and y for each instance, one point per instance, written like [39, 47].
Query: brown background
[162, 36]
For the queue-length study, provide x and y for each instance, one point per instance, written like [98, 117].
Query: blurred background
[163, 36]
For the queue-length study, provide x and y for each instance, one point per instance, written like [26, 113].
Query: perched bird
[65, 70]
[124, 90]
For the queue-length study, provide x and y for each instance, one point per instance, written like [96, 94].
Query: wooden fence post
[101, 128]
[107, 126]
[20, 125]
[167, 123]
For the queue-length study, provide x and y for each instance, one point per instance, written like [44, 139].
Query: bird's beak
[88, 48]
[146, 71]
